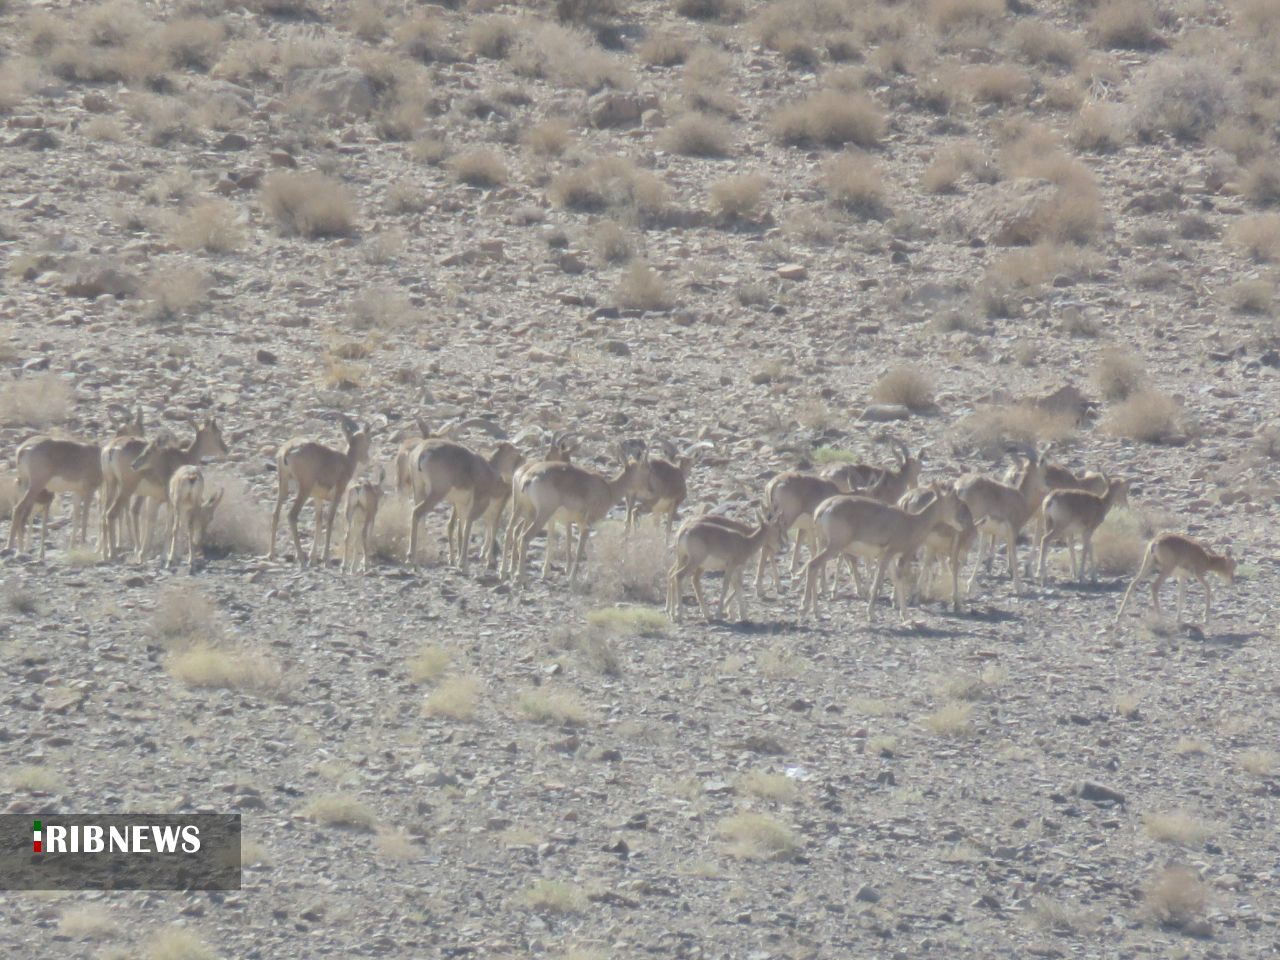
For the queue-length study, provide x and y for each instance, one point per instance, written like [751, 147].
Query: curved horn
[486, 426]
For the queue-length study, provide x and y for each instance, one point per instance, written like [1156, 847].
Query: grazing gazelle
[322, 475]
[154, 467]
[1175, 555]
[711, 542]
[1068, 513]
[189, 509]
[359, 512]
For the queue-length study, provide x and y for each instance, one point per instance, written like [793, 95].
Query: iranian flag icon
[35, 842]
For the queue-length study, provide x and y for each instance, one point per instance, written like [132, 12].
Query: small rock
[265, 356]
[885, 412]
[282, 158]
[792, 271]
[867, 894]
[1099, 793]
[618, 348]
[234, 141]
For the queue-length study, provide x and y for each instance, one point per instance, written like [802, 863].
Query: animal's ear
[214, 500]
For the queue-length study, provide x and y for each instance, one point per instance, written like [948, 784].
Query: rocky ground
[763, 225]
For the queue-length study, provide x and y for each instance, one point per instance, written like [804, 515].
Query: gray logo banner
[136, 851]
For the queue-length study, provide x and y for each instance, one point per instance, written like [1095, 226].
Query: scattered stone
[792, 271]
[885, 412]
[1099, 793]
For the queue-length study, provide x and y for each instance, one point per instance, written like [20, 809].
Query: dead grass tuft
[1149, 415]
[1186, 99]
[954, 162]
[1118, 374]
[1254, 297]
[830, 118]
[908, 386]
[211, 226]
[553, 706]
[240, 523]
[340, 810]
[1176, 898]
[554, 896]
[1119, 543]
[176, 943]
[88, 921]
[493, 37]
[38, 401]
[996, 83]
[184, 617]
[1126, 25]
[223, 668]
[738, 198]
[757, 836]
[777, 787]
[1258, 236]
[614, 184]
[990, 429]
[951, 720]
[949, 16]
[664, 48]
[1042, 43]
[698, 135]
[643, 288]
[1100, 128]
[853, 182]
[479, 168]
[550, 138]
[309, 204]
[629, 621]
[429, 664]
[1176, 827]
[455, 698]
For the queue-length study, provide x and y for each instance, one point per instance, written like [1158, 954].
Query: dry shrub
[1149, 415]
[550, 138]
[1257, 18]
[643, 288]
[830, 118]
[1100, 128]
[1257, 235]
[341, 810]
[664, 48]
[309, 204]
[723, 10]
[908, 386]
[777, 787]
[225, 668]
[89, 921]
[1118, 374]
[240, 524]
[1176, 827]
[1074, 214]
[493, 37]
[1251, 296]
[211, 226]
[189, 43]
[994, 83]
[738, 198]
[1118, 544]
[421, 36]
[566, 57]
[951, 720]
[35, 401]
[629, 566]
[184, 617]
[173, 291]
[757, 836]
[176, 943]
[1176, 898]
[432, 150]
[1126, 25]
[1183, 98]
[455, 698]
[989, 430]
[852, 181]
[610, 183]
[479, 168]
[948, 16]
[14, 82]
[611, 243]
[955, 161]
[553, 705]
[1042, 43]
[698, 135]
[367, 19]
[429, 664]
[382, 307]
[555, 897]
[1261, 182]
[1013, 276]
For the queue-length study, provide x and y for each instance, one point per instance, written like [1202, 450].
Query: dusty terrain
[970, 208]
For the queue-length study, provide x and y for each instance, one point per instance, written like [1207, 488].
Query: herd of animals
[847, 513]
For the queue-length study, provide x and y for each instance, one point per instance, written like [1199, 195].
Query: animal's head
[357, 438]
[209, 442]
[1227, 565]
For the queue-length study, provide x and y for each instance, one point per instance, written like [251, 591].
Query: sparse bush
[610, 183]
[722, 10]
[479, 168]
[1176, 827]
[1258, 235]
[777, 787]
[956, 161]
[184, 617]
[429, 663]
[611, 243]
[176, 943]
[382, 308]
[340, 810]
[1184, 98]
[210, 226]
[698, 135]
[219, 668]
[1126, 25]
[88, 921]
[421, 36]
[550, 138]
[1259, 763]
[1099, 127]
[995, 83]
[907, 386]
[455, 698]
[1149, 415]
[33, 779]
[830, 118]
[852, 181]
[664, 48]
[642, 288]
[629, 621]
[566, 57]
[951, 720]
[1176, 898]
[1251, 296]
[1118, 374]
[37, 401]
[240, 523]
[309, 204]
[948, 16]
[1118, 544]
[432, 150]
[738, 198]
[990, 429]
[553, 706]
[173, 291]
[756, 836]
[1261, 182]
[553, 896]
[493, 37]
[1042, 43]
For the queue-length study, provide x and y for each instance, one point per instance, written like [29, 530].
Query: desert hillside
[778, 235]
